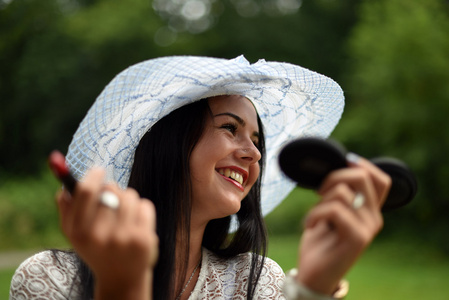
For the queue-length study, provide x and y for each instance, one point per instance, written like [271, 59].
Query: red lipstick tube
[59, 167]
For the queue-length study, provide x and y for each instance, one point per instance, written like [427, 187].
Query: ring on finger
[109, 199]
[358, 202]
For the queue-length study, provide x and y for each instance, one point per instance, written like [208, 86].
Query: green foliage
[397, 99]
[312, 38]
[55, 64]
[57, 56]
[28, 214]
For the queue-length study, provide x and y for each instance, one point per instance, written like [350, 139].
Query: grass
[5, 281]
[387, 270]
[401, 270]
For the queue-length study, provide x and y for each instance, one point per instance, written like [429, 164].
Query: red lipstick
[59, 167]
[238, 170]
[233, 182]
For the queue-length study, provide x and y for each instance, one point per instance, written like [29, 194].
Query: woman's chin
[229, 210]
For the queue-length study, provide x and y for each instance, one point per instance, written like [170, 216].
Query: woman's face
[225, 162]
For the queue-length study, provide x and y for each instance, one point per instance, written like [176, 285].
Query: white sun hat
[291, 101]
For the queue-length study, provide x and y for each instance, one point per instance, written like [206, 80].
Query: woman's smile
[235, 175]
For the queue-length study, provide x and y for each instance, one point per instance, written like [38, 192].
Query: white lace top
[43, 276]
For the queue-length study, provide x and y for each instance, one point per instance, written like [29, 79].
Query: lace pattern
[45, 276]
[228, 278]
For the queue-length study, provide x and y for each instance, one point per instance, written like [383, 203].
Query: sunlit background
[390, 56]
[196, 16]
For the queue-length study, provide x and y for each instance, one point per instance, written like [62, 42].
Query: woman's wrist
[294, 290]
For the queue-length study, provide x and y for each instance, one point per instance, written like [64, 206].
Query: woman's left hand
[118, 243]
[337, 231]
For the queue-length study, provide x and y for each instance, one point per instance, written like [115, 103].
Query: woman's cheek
[253, 175]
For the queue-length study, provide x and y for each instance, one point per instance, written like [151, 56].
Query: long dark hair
[164, 154]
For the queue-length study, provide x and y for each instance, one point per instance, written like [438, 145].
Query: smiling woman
[226, 146]
[201, 208]
[187, 147]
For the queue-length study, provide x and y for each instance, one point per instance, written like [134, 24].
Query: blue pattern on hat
[291, 101]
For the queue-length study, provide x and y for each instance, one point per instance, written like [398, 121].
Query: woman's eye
[230, 127]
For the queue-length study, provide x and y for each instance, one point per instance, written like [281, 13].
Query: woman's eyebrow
[237, 118]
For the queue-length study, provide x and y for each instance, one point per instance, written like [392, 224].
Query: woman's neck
[195, 246]
[194, 259]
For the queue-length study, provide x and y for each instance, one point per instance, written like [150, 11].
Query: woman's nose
[249, 152]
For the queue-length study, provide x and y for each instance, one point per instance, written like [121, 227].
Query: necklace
[188, 281]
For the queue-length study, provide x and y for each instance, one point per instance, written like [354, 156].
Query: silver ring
[358, 202]
[109, 199]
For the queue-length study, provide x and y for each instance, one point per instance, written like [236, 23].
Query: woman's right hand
[119, 245]
[337, 232]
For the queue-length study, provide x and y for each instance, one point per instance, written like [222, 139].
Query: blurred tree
[313, 37]
[55, 61]
[22, 24]
[197, 16]
[398, 100]
[56, 56]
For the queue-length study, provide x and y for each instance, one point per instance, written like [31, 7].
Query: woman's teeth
[231, 174]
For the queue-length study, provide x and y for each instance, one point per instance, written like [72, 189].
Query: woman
[189, 133]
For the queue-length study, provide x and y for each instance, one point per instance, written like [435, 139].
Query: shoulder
[271, 281]
[46, 275]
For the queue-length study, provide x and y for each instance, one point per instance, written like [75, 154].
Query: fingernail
[352, 158]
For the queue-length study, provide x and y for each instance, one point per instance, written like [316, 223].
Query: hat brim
[291, 101]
